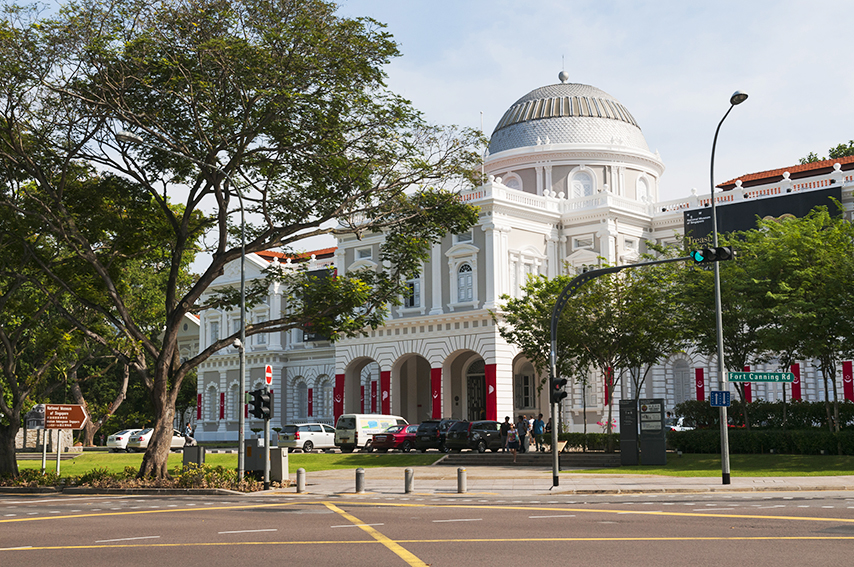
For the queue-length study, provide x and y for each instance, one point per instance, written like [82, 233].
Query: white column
[548, 169]
[539, 170]
[551, 256]
[490, 267]
[436, 280]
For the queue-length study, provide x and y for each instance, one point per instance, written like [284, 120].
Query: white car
[139, 441]
[119, 441]
[307, 436]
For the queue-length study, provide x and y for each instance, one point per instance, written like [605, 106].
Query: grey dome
[568, 113]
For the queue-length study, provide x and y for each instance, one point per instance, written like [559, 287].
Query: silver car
[307, 436]
[139, 441]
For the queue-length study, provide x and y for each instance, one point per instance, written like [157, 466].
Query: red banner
[198, 407]
[373, 396]
[436, 391]
[796, 385]
[847, 381]
[385, 390]
[491, 395]
[311, 402]
[222, 405]
[748, 394]
[338, 396]
[701, 384]
[245, 405]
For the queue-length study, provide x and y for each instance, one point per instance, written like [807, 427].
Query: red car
[395, 437]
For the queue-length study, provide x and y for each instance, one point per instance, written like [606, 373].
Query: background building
[570, 180]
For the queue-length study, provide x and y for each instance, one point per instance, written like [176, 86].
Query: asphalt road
[780, 529]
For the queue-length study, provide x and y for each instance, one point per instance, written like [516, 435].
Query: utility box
[653, 435]
[195, 454]
[628, 432]
[254, 460]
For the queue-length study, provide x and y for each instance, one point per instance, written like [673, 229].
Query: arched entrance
[476, 391]
[412, 399]
[357, 385]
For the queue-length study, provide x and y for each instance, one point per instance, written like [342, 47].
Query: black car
[475, 435]
[431, 434]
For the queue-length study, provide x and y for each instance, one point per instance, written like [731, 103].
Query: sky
[672, 63]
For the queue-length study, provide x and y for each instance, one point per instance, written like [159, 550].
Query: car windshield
[346, 423]
[145, 431]
[393, 429]
[460, 426]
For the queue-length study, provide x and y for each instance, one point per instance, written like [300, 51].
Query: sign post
[63, 416]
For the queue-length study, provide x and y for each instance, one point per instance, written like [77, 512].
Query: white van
[356, 429]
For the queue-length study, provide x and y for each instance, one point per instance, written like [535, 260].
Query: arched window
[231, 407]
[683, 383]
[323, 399]
[582, 185]
[465, 284]
[212, 404]
[642, 190]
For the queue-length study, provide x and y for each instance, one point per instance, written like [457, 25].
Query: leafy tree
[280, 101]
[616, 321]
[840, 151]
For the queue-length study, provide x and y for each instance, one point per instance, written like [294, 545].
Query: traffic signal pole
[267, 441]
[561, 302]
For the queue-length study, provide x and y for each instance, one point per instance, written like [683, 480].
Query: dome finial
[563, 76]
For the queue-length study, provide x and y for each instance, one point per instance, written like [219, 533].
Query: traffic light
[261, 404]
[718, 254]
[557, 391]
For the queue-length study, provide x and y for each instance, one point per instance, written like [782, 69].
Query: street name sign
[719, 398]
[64, 416]
[761, 377]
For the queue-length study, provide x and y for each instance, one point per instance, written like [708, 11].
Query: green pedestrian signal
[717, 254]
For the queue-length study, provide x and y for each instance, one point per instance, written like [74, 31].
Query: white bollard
[360, 480]
[461, 480]
[407, 480]
[300, 480]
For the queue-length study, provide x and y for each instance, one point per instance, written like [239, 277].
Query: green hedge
[763, 414]
[795, 442]
[587, 441]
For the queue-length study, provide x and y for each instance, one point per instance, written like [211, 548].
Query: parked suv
[307, 436]
[431, 434]
[475, 435]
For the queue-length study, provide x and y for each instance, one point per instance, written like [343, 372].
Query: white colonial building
[570, 180]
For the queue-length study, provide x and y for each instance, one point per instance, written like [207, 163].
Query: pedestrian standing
[537, 431]
[522, 430]
[505, 427]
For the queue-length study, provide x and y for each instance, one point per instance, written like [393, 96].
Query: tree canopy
[280, 101]
[839, 151]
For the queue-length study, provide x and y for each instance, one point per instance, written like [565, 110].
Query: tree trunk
[8, 460]
[155, 461]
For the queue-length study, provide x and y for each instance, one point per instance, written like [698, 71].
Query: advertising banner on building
[742, 215]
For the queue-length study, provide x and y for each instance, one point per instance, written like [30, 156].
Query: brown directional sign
[64, 416]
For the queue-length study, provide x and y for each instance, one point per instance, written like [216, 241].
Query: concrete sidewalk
[528, 481]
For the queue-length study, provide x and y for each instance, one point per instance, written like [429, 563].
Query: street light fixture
[131, 138]
[737, 98]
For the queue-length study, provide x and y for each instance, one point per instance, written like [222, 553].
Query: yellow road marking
[689, 539]
[393, 546]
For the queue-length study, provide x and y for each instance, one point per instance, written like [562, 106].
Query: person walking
[512, 440]
[505, 427]
[522, 430]
[537, 431]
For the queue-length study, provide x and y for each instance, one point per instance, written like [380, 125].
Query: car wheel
[481, 447]
[368, 448]
[307, 447]
[406, 447]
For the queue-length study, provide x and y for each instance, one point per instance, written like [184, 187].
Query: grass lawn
[742, 465]
[116, 462]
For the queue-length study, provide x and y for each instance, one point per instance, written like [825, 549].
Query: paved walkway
[529, 481]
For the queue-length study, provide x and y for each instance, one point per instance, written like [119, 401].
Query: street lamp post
[131, 138]
[737, 98]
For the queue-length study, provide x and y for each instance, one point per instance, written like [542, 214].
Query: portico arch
[465, 381]
[410, 382]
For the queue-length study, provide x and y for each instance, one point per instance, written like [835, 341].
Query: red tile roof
[795, 172]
